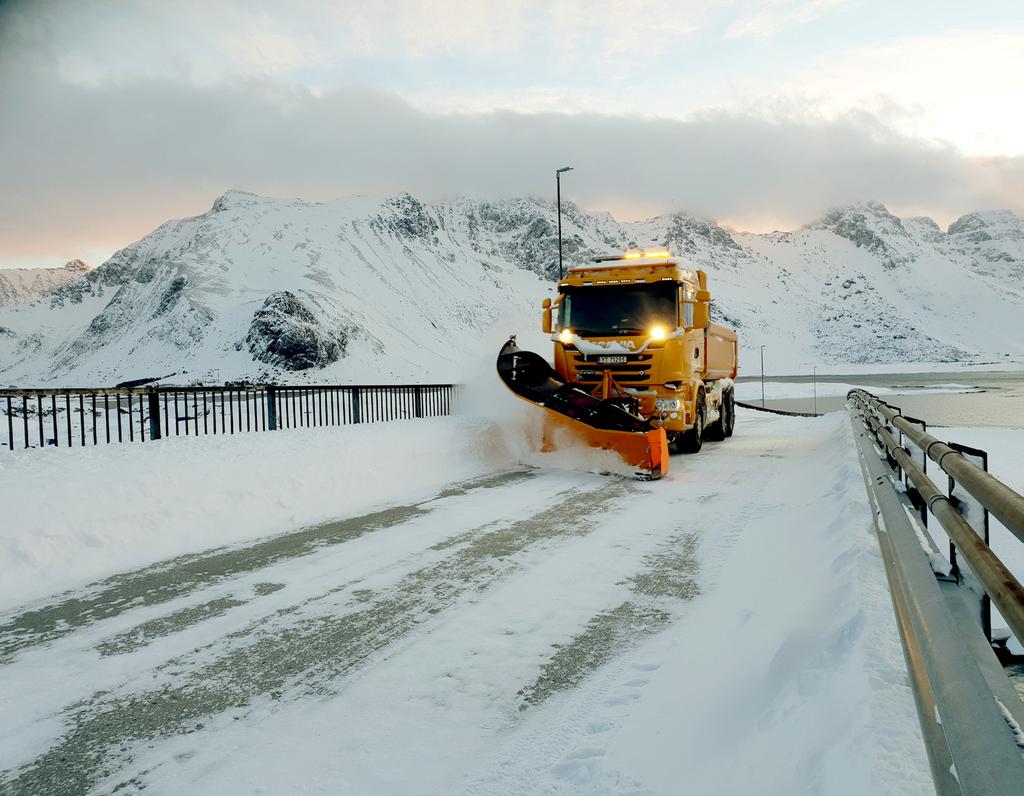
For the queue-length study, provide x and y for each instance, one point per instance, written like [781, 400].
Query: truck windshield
[618, 309]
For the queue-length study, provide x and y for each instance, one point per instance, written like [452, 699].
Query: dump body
[642, 324]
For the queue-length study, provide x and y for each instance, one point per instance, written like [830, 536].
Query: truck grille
[636, 371]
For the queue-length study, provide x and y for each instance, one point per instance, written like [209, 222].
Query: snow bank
[83, 514]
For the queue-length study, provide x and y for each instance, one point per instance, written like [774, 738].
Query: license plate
[611, 360]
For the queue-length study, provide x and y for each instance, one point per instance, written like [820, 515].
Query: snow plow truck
[639, 368]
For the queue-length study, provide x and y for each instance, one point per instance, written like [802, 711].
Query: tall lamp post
[558, 193]
[762, 377]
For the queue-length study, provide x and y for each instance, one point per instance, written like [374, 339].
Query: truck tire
[715, 432]
[729, 407]
[691, 441]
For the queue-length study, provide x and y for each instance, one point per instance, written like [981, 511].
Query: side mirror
[545, 323]
[701, 314]
[702, 310]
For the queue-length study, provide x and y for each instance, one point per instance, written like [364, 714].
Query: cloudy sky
[117, 115]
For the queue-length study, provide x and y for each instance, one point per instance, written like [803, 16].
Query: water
[1000, 404]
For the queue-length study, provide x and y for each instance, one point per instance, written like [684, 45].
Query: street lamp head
[564, 168]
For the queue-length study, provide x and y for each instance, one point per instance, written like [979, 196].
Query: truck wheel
[715, 432]
[692, 440]
[729, 405]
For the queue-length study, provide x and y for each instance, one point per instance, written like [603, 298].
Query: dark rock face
[284, 333]
[869, 226]
[993, 240]
[970, 223]
[684, 234]
[233, 199]
[407, 218]
[28, 285]
[171, 296]
[526, 233]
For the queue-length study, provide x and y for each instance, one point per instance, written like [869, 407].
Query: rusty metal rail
[969, 712]
[1008, 506]
[997, 497]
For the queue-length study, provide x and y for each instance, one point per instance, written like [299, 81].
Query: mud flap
[601, 424]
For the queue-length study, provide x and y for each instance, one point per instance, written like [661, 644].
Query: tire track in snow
[572, 743]
[186, 574]
[668, 576]
[146, 632]
[302, 656]
[70, 669]
[567, 754]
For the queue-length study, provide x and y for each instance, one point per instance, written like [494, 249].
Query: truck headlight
[668, 404]
[565, 336]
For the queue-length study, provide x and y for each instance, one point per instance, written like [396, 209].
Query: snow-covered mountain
[357, 291]
[25, 285]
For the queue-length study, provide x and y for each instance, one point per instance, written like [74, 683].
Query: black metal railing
[77, 417]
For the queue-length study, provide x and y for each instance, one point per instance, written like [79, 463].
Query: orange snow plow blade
[600, 423]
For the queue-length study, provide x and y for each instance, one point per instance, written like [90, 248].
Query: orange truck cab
[639, 325]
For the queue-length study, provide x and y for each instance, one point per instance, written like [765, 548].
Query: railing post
[354, 397]
[10, 424]
[921, 460]
[154, 414]
[418, 400]
[271, 407]
[976, 514]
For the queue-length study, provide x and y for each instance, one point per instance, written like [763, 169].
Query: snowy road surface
[726, 630]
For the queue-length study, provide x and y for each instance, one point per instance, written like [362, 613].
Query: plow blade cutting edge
[600, 423]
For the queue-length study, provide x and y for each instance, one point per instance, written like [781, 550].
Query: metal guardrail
[993, 495]
[78, 417]
[1007, 505]
[969, 712]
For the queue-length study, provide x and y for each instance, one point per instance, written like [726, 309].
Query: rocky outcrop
[25, 285]
[687, 235]
[996, 235]
[871, 226]
[285, 334]
[405, 217]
